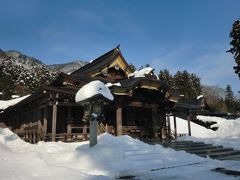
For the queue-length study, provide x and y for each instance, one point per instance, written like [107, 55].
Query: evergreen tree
[165, 76]
[6, 85]
[229, 98]
[187, 84]
[235, 43]
[196, 85]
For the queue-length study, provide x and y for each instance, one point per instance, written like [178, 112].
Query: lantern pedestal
[93, 132]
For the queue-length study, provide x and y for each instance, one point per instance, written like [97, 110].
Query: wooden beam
[119, 121]
[175, 125]
[189, 124]
[54, 122]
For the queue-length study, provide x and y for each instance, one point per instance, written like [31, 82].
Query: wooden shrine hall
[141, 107]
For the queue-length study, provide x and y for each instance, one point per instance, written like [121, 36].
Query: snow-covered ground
[228, 133]
[112, 157]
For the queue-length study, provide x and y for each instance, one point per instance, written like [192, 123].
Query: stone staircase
[200, 149]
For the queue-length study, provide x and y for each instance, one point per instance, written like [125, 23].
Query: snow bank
[196, 130]
[141, 72]
[91, 89]
[113, 157]
[6, 104]
[110, 158]
[227, 134]
[226, 128]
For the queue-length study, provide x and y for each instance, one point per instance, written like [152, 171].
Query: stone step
[223, 150]
[217, 155]
[209, 150]
[182, 144]
[230, 157]
[186, 146]
[200, 148]
[157, 141]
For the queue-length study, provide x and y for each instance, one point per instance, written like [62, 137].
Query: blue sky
[173, 34]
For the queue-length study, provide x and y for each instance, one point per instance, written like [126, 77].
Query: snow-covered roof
[114, 84]
[6, 104]
[141, 72]
[200, 96]
[15, 96]
[91, 89]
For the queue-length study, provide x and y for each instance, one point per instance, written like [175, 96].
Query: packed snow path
[201, 149]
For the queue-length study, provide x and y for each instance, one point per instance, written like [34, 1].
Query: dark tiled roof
[191, 104]
[40, 94]
[133, 82]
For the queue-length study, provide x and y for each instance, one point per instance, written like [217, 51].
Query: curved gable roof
[100, 62]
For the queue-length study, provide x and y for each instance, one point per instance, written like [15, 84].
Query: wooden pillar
[119, 121]
[39, 130]
[175, 125]
[69, 118]
[169, 125]
[155, 122]
[54, 122]
[45, 119]
[189, 124]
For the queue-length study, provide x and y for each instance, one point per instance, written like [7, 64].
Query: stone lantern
[93, 112]
[93, 96]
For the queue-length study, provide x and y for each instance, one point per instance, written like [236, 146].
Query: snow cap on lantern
[93, 89]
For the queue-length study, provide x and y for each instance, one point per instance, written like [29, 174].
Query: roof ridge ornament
[118, 47]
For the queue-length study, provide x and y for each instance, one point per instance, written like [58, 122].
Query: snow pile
[227, 134]
[6, 104]
[110, 158]
[91, 89]
[196, 130]
[226, 128]
[114, 84]
[141, 72]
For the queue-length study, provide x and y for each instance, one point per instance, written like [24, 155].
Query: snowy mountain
[24, 60]
[67, 67]
[21, 74]
[28, 62]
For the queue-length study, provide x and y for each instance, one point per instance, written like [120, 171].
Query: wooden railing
[102, 128]
[32, 132]
[135, 131]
